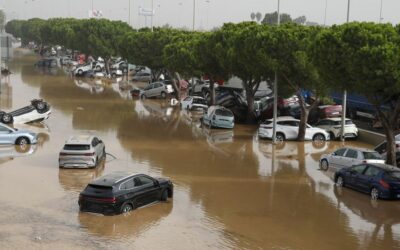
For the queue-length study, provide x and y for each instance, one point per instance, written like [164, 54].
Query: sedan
[381, 181]
[288, 129]
[347, 157]
[10, 135]
[194, 102]
[157, 89]
[121, 192]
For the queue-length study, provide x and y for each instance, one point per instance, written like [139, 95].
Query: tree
[365, 58]
[272, 18]
[300, 20]
[14, 28]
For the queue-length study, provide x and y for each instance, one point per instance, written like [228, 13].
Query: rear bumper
[100, 208]
[75, 163]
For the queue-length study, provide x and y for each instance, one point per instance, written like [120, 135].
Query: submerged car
[157, 89]
[121, 192]
[83, 151]
[219, 117]
[381, 181]
[334, 125]
[39, 110]
[347, 157]
[10, 135]
[381, 149]
[194, 102]
[287, 128]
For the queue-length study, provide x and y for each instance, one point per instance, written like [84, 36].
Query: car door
[128, 189]
[364, 181]
[336, 157]
[6, 136]
[149, 191]
[293, 129]
[149, 90]
[350, 158]
[355, 174]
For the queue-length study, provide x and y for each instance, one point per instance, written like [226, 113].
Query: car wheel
[280, 137]
[164, 195]
[374, 194]
[319, 137]
[126, 208]
[98, 68]
[163, 95]
[339, 181]
[80, 72]
[22, 148]
[7, 119]
[22, 141]
[324, 165]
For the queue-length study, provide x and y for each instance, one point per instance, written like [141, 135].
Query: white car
[287, 128]
[194, 102]
[83, 151]
[334, 125]
[80, 69]
[36, 112]
[156, 89]
[218, 117]
[347, 157]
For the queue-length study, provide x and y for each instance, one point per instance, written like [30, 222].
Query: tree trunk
[250, 103]
[305, 111]
[176, 85]
[212, 92]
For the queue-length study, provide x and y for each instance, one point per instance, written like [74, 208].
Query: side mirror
[156, 183]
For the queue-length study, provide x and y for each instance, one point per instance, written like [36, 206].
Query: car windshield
[76, 147]
[348, 122]
[372, 155]
[394, 175]
[223, 112]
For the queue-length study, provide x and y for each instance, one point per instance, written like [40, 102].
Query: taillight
[384, 184]
[108, 200]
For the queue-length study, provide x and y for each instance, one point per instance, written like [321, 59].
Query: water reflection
[126, 226]
[77, 179]
[94, 86]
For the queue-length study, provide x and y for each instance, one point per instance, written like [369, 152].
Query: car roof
[113, 178]
[284, 118]
[359, 149]
[80, 139]
[385, 167]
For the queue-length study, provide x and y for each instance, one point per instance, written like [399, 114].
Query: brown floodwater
[232, 191]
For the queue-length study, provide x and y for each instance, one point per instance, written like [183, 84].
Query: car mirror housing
[156, 183]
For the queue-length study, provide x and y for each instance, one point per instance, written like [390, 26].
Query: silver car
[347, 157]
[83, 151]
[10, 135]
[157, 89]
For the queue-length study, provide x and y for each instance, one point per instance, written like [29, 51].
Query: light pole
[194, 13]
[344, 102]
[380, 14]
[152, 15]
[276, 90]
[129, 12]
[326, 7]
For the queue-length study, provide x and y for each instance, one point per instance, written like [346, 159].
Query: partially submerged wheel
[164, 195]
[126, 208]
[319, 137]
[22, 141]
[7, 118]
[163, 95]
[374, 194]
[324, 165]
[280, 137]
[340, 181]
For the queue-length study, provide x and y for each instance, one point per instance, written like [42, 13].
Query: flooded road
[232, 191]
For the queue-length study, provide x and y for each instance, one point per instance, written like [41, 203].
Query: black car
[120, 192]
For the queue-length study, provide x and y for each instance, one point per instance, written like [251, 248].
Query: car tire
[164, 195]
[324, 165]
[339, 181]
[280, 137]
[7, 119]
[22, 141]
[98, 68]
[374, 194]
[80, 72]
[22, 148]
[163, 95]
[126, 208]
[319, 137]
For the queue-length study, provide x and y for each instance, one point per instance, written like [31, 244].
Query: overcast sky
[209, 13]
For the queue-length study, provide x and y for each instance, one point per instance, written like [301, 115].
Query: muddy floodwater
[232, 191]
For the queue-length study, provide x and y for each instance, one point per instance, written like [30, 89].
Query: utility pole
[276, 90]
[344, 102]
[152, 15]
[326, 8]
[380, 14]
[194, 14]
[129, 12]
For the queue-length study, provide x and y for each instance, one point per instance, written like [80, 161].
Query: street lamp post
[129, 12]
[380, 13]
[326, 8]
[194, 13]
[276, 91]
[152, 15]
[344, 103]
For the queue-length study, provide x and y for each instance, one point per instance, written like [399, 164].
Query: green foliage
[14, 27]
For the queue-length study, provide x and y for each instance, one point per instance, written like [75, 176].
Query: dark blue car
[379, 180]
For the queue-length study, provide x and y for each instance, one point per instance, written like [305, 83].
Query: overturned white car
[39, 110]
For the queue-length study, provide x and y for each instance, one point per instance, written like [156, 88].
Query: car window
[187, 99]
[4, 129]
[351, 154]
[372, 155]
[359, 169]
[129, 184]
[145, 180]
[323, 123]
[340, 152]
[76, 147]
[148, 87]
[381, 148]
[371, 171]
[223, 112]
[157, 85]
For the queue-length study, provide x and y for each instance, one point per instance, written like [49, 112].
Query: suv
[83, 151]
[381, 149]
[121, 192]
[347, 157]
[333, 127]
[157, 89]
